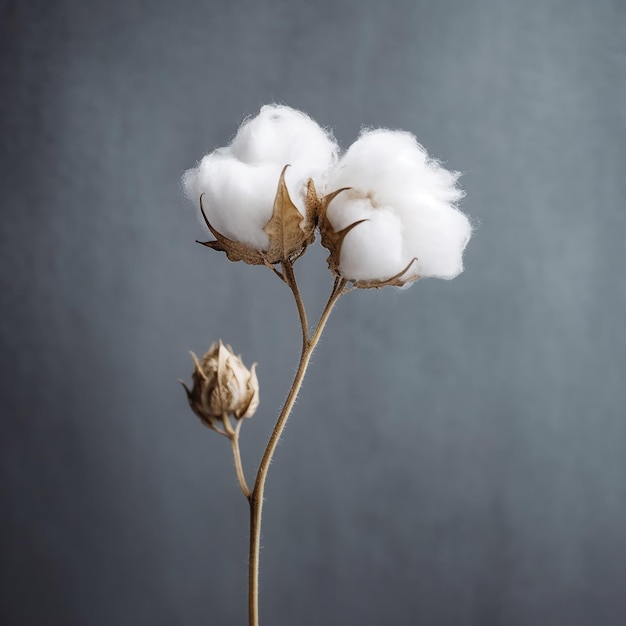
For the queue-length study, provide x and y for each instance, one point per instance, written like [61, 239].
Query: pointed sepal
[332, 240]
[235, 250]
[400, 279]
[289, 232]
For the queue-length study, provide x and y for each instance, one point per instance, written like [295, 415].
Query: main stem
[256, 496]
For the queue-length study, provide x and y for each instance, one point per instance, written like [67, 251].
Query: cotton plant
[386, 212]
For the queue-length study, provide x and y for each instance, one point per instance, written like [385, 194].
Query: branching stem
[255, 498]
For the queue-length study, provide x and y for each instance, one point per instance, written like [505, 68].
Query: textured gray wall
[458, 455]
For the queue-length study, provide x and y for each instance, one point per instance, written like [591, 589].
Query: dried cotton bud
[259, 210]
[222, 386]
[393, 218]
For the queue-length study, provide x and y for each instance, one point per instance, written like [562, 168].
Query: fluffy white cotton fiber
[409, 202]
[239, 181]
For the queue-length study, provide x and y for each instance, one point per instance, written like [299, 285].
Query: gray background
[458, 454]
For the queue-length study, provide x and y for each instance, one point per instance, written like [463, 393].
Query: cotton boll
[239, 181]
[394, 173]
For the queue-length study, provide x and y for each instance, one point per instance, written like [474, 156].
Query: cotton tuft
[409, 202]
[239, 181]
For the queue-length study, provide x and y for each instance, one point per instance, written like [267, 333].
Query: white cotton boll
[393, 173]
[240, 180]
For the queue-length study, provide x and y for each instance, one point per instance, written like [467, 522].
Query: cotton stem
[256, 496]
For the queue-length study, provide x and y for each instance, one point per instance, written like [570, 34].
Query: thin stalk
[256, 497]
[290, 279]
[234, 440]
